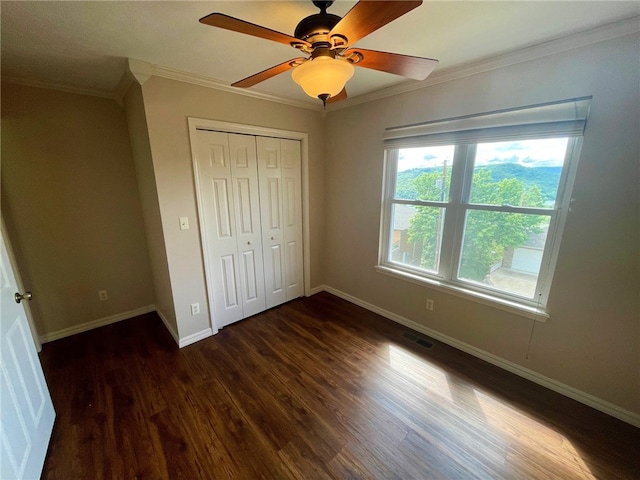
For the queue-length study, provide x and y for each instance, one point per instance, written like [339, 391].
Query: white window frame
[565, 119]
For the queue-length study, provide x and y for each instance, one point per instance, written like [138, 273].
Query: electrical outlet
[429, 304]
[103, 296]
[195, 308]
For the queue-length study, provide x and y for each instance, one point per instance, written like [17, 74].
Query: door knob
[24, 296]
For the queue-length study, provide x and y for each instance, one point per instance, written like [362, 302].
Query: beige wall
[141, 149]
[591, 341]
[70, 200]
[167, 104]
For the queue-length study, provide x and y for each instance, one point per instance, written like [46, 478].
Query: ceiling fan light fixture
[322, 75]
[327, 39]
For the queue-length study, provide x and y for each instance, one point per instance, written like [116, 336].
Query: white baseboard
[189, 339]
[67, 332]
[168, 326]
[566, 390]
[315, 290]
[195, 337]
[180, 342]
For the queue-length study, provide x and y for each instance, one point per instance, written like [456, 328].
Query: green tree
[487, 234]
[426, 225]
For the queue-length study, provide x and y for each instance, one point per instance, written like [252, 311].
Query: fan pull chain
[533, 327]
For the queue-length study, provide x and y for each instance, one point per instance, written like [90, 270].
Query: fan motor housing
[319, 24]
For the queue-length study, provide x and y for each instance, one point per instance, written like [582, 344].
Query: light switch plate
[184, 223]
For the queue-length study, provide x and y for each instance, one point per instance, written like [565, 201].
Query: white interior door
[270, 175]
[26, 410]
[213, 172]
[244, 174]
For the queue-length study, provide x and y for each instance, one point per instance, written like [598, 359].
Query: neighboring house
[526, 258]
[518, 270]
[404, 251]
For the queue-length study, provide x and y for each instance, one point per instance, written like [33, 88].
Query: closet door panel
[292, 225]
[273, 269]
[229, 282]
[245, 217]
[270, 178]
[272, 211]
[244, 172]
[253, 284]
[213, 171]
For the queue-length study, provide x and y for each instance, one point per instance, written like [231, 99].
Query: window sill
[520, 309]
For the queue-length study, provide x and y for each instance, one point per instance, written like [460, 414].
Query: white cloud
[427, 157]
[528, 153]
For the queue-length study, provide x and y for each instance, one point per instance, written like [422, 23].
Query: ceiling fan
[328, 40]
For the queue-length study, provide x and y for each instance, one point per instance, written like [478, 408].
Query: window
[476, 205]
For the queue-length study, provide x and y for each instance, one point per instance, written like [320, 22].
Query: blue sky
[528, 153]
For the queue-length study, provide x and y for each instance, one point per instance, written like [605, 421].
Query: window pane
[503, 250]
[424, 173]
[416, 236]
[523, 173]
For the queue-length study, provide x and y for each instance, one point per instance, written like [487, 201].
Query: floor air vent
[410, 336]
[419, 340]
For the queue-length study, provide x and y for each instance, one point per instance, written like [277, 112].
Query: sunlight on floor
[531, 438]
[529, 443]
[424, 375]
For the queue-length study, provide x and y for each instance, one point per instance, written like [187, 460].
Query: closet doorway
[249, 189]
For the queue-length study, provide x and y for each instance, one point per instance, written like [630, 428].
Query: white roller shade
[565, 118]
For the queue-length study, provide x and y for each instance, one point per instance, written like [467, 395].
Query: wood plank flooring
[314, 389]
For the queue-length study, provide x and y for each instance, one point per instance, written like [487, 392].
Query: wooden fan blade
[221, 20]
[341, 96]
[368, 16]
[417, 68]
[266, 74]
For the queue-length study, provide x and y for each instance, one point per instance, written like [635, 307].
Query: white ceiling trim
[607, 32]
[172, 74]
[123, 87]
[61, 87]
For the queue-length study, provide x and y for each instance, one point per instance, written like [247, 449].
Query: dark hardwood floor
[316, 388]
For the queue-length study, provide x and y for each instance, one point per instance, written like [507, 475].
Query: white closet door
[292, 217]
[269, 173]
[244, 174]
[216, 198]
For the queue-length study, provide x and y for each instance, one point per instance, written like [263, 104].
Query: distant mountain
[547, 178]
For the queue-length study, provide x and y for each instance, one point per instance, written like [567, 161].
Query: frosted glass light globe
[322, 76]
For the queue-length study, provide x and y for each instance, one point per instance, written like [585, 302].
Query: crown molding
[61, 87]
[200, 80]
[123, 87]
[610, 31]
[140, 70]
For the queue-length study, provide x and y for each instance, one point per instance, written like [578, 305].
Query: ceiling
[86, 43]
